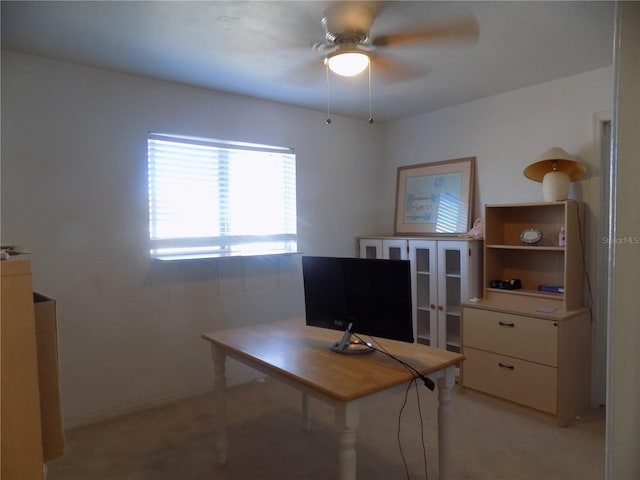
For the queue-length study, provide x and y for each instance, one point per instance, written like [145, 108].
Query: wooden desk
[299, 356]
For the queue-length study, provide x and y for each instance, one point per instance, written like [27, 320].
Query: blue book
[551, 288]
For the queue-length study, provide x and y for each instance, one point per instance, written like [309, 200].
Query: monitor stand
[349, 346]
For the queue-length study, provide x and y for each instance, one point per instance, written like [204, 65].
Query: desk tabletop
[301, 353]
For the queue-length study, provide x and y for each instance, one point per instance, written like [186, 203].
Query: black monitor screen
[373, 295]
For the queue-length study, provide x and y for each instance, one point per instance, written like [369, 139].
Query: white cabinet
[370, 248]
[444, 274]
[445, 271]
[389, 248]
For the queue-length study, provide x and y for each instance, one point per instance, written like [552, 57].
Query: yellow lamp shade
[555, 168]
[555, 159]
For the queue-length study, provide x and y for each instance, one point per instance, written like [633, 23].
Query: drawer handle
[504, 324]
[504, 365]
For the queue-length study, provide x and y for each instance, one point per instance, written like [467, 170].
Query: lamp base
[555, 186]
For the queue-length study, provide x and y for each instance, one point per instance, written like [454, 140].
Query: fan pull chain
[328, 121]
[370, 110]
[328, 99]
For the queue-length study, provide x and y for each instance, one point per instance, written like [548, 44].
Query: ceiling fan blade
[309, 74]
[457, 30]
[389, 69]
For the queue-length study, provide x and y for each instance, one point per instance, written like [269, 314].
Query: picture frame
[435, 198]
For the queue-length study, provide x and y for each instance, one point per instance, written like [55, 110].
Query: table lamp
[555, 168]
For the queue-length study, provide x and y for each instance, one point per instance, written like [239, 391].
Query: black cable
[584, 258]
[416, 374]
[424, 446]
[404, 404]
[427, 382]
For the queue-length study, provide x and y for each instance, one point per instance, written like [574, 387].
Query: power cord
[584, 259]
[581, 234]
[430, 384]
[424, 447]
[427, 382]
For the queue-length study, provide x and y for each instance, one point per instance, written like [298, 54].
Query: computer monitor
[358, 295]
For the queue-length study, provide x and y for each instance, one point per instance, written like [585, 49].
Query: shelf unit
[445, 271]
[525, 345]
[545, 263]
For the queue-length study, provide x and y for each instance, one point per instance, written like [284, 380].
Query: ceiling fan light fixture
[347, 63]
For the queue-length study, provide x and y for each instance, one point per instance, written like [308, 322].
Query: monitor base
[352, 347]
[346, 345]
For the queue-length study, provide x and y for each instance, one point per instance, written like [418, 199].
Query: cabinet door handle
[504, 365]
[440, 307]
[504, 324]
[432, 306]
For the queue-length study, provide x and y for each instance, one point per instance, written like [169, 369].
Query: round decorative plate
[531, 236]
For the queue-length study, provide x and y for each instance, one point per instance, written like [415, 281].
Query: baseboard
[71, 422]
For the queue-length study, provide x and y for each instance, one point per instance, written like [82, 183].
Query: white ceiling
[264, 48]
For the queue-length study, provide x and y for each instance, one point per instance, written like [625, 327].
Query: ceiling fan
[348, 48]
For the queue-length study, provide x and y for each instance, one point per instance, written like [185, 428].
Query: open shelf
[529, 293]
[545, 263]
[527, 247]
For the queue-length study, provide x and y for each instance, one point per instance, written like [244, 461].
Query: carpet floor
[492, 440]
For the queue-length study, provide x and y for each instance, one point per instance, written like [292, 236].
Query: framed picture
[435, 198]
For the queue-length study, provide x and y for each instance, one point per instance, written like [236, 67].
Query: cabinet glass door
[422, 254]
[370, 248]
[387, 248]
[394, 249]
[453, 264]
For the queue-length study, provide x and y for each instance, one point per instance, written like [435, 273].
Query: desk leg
[445, 386]
[220, 385]
[347, 418]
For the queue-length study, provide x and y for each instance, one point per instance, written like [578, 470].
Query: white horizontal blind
[209, 198]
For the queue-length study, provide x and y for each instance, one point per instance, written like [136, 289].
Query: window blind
[212, 198]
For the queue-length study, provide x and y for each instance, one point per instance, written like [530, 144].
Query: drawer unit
[513, 335]
[535, 359]
[527, 383]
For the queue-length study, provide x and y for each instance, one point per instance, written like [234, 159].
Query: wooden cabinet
[21, 437]
[445, 271]
[524, 344]
[538, 360]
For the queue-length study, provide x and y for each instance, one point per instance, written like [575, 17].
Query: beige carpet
[492, 440]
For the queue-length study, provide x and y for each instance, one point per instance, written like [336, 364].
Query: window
[210, 198]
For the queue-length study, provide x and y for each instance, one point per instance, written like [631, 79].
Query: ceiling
[264, 48]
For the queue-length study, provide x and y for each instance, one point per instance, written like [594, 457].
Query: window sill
[205, 256]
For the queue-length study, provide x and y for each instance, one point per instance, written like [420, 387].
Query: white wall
[74, 192]
[506, 133]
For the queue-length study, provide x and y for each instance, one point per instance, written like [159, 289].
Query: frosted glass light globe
[348, 64]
